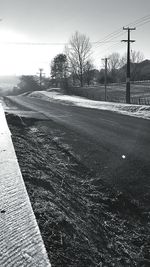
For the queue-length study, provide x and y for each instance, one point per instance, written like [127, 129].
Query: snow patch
[141, 111]
[4, 130]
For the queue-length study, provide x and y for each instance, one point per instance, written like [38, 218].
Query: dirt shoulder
[82, 220]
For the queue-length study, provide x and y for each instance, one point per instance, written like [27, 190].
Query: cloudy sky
[32, 32]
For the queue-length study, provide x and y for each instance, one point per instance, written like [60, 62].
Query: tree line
[75, 67]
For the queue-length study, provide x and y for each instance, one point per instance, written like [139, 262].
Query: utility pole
[41, 74]
[128, 41]
[106, 61]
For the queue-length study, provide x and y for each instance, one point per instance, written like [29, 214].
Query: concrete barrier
[21, 244]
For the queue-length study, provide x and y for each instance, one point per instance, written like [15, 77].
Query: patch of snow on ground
[3, 125]
[3, 103]
[142, 111]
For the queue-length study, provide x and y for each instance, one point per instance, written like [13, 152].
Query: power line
[31, 43]
[135, 23]
[107, 49]
[102, 42]
[107, 39]
[45, 44]
[139, 22]
[118, 49]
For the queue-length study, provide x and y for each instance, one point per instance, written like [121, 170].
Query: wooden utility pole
[106, 61]
[41, 74]
[128, 63]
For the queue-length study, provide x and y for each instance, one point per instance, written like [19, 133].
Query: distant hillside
[139, 71]
[144, 69]
[7, 83]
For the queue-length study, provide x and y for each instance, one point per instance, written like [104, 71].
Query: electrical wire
[139, 22]
[32, 43]
[118, 33]
[118, 49]
[110, 38]
[107, 39]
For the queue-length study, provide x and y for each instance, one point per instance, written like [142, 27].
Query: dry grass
[140, 92]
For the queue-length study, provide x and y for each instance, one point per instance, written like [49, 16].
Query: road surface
[114, 146]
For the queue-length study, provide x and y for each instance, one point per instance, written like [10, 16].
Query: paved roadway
[115, 146]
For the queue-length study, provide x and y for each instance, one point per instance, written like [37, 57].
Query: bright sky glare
[34, 21]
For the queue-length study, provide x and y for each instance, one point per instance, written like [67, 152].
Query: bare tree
[114, 61]
[136, 56]
[78, 53]
[88, 72]
[123, 60]
[113, 65]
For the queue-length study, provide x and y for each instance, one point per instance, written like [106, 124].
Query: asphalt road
[116, 147]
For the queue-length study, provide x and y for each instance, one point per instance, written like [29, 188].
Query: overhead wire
[32, 43]
[118, 33]
[139, 22]
[107, 39]
[118, 49]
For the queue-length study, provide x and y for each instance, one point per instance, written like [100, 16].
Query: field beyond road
[140, 92]
[87, 173]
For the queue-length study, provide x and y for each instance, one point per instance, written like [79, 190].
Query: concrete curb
[21, 244]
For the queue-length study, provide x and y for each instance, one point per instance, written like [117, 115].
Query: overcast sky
[42, 21]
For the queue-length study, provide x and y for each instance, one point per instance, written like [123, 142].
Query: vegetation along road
[87, 175]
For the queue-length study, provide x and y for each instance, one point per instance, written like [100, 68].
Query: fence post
[139, 100]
